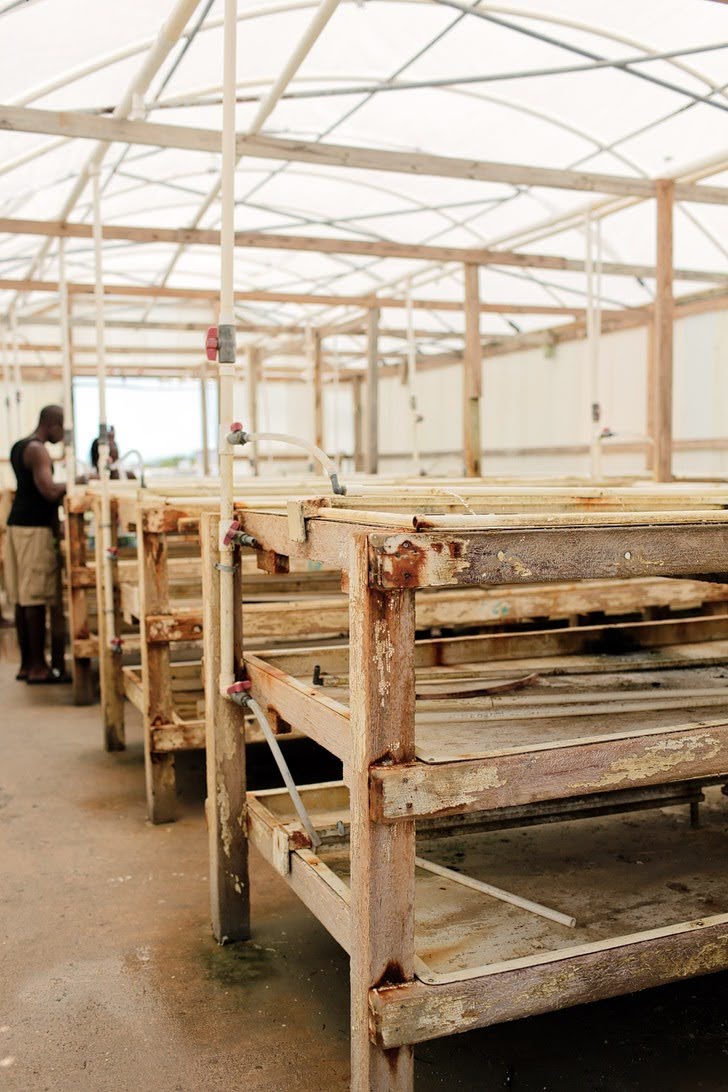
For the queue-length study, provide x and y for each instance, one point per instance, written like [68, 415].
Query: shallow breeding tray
[648, 892]
[542, 725]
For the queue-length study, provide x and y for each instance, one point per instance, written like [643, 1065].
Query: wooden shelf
[645, 891]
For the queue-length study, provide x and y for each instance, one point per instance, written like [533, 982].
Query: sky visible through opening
[160, 417]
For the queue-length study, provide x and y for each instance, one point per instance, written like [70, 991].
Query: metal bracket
[221, 568]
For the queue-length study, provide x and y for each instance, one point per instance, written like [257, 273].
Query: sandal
[52, 679]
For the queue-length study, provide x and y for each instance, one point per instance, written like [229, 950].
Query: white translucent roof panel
[635, 89]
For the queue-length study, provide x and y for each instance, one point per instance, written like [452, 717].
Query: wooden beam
[629, 319]
[117, 350]
[325, 245]
[649, 395]
[137, 291]
[472, 368]
[372, 447]
[663, 322]
[70, 124]
[225, 807]
[382, 716]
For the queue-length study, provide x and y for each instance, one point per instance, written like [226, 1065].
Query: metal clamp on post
[224, 568]
[239, 693]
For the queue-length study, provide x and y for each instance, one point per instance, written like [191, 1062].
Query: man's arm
[38, 460]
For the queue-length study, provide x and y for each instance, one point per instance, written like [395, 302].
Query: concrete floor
[109, 980]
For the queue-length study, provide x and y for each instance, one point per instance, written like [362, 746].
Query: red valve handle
[212, 343]
[236, 426]
[239, 687]
[231, 532]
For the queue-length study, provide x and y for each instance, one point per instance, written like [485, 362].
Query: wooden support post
[472, 367]
[203, 418]
[357, 394]
[382, 681]
[78, 623]
[663, 321]
[111, 677]
[158, 707]
[225, 742]
[252, 375]
[650, 394]
[318, 392]
[372, 443]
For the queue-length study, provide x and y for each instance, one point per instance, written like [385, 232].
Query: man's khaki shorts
[32, 566]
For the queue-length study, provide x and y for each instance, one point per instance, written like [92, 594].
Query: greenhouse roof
[636, 91]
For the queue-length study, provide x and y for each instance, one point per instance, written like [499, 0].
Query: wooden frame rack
[657, 750]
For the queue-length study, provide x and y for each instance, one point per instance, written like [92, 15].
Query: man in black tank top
[32, 563]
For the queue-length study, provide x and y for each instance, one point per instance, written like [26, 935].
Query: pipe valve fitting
[212, 343]
[239, 692]
[237, 434]
[116, 644]
[235, 536]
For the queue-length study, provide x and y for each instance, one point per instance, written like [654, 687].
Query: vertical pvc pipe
[372, 434]
[664, 312]
[253, 364]
[226, 352]
[412, 381]
[17, 378]
[7, 387]
[592, 339]
[472, 372]
[203, 421]
[68, 440]
[337, 444]
[104, 531]
[598, 413]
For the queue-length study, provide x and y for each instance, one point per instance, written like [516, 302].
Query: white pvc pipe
[286, 438]
[227, 368]
[17, 379]
[592, 341]
[284, 771]
[203, 422]
[104, 530]
[412, 381]
[68, 438]
[227, 309]
[140, 464]
[337, 445]
[7, 387]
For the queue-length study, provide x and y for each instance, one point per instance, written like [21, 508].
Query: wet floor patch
[237, 965]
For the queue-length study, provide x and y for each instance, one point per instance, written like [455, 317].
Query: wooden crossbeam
[70, 124]
[138, 291]
[324, 245]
